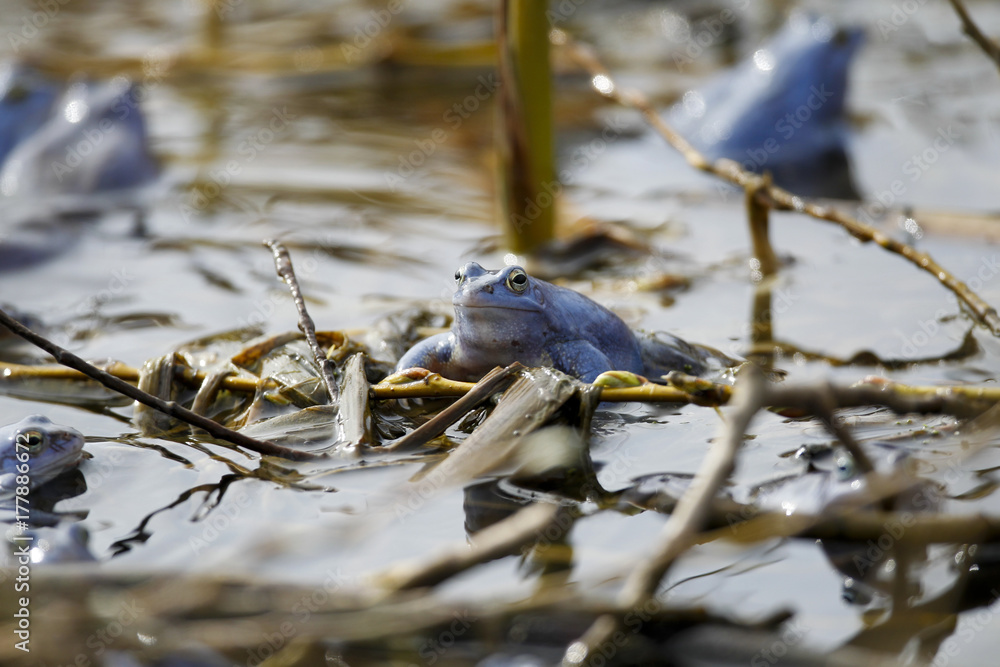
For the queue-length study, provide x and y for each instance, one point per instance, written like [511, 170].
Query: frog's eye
[845, 468]
[517, 280]
[458, 276]
[31, 440]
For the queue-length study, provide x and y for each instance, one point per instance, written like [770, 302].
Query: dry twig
[283, 266]
[67, 358]
[694, 509]
[686, 520]
[494, 381]
[969, 27]
[501, 539]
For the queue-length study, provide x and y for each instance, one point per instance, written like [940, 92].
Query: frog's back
[572, 315]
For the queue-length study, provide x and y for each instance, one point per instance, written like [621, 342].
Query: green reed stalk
[525, 144]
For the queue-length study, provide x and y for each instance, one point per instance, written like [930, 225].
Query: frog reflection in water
[37, 449]
[506, 316]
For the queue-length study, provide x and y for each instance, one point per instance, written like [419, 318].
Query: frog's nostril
[488, 289]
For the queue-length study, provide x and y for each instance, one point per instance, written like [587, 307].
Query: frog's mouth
[479, 303]
[493, 307]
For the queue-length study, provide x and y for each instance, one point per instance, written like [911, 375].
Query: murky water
[378, 165]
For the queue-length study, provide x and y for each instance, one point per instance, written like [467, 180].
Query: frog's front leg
[580, 359]
[432, 353]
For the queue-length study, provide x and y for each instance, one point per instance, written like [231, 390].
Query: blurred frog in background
[67, 153]
[781, 110]
[89, 153]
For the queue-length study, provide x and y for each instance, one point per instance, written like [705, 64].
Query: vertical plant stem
[759, 214]
[525, 145]
[211, 28]
[283, 267]
[761, 326]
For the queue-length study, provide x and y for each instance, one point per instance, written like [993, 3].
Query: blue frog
[506, 316]
[782, 110]
[26, 98]
[38, 451]
[90, 154]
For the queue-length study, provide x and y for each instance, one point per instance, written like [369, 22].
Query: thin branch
[776, 197]
[522, 528]
[823, 406]
[969, 27]
[283, 265]
[494, 381]
[694, 510]
[860, 525]
[688, 518]
[693, 506]
[67, 358]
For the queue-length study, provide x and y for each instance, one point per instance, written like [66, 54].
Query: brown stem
[969, 27]
[758, 213]
[492, 382]
[283, 265]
